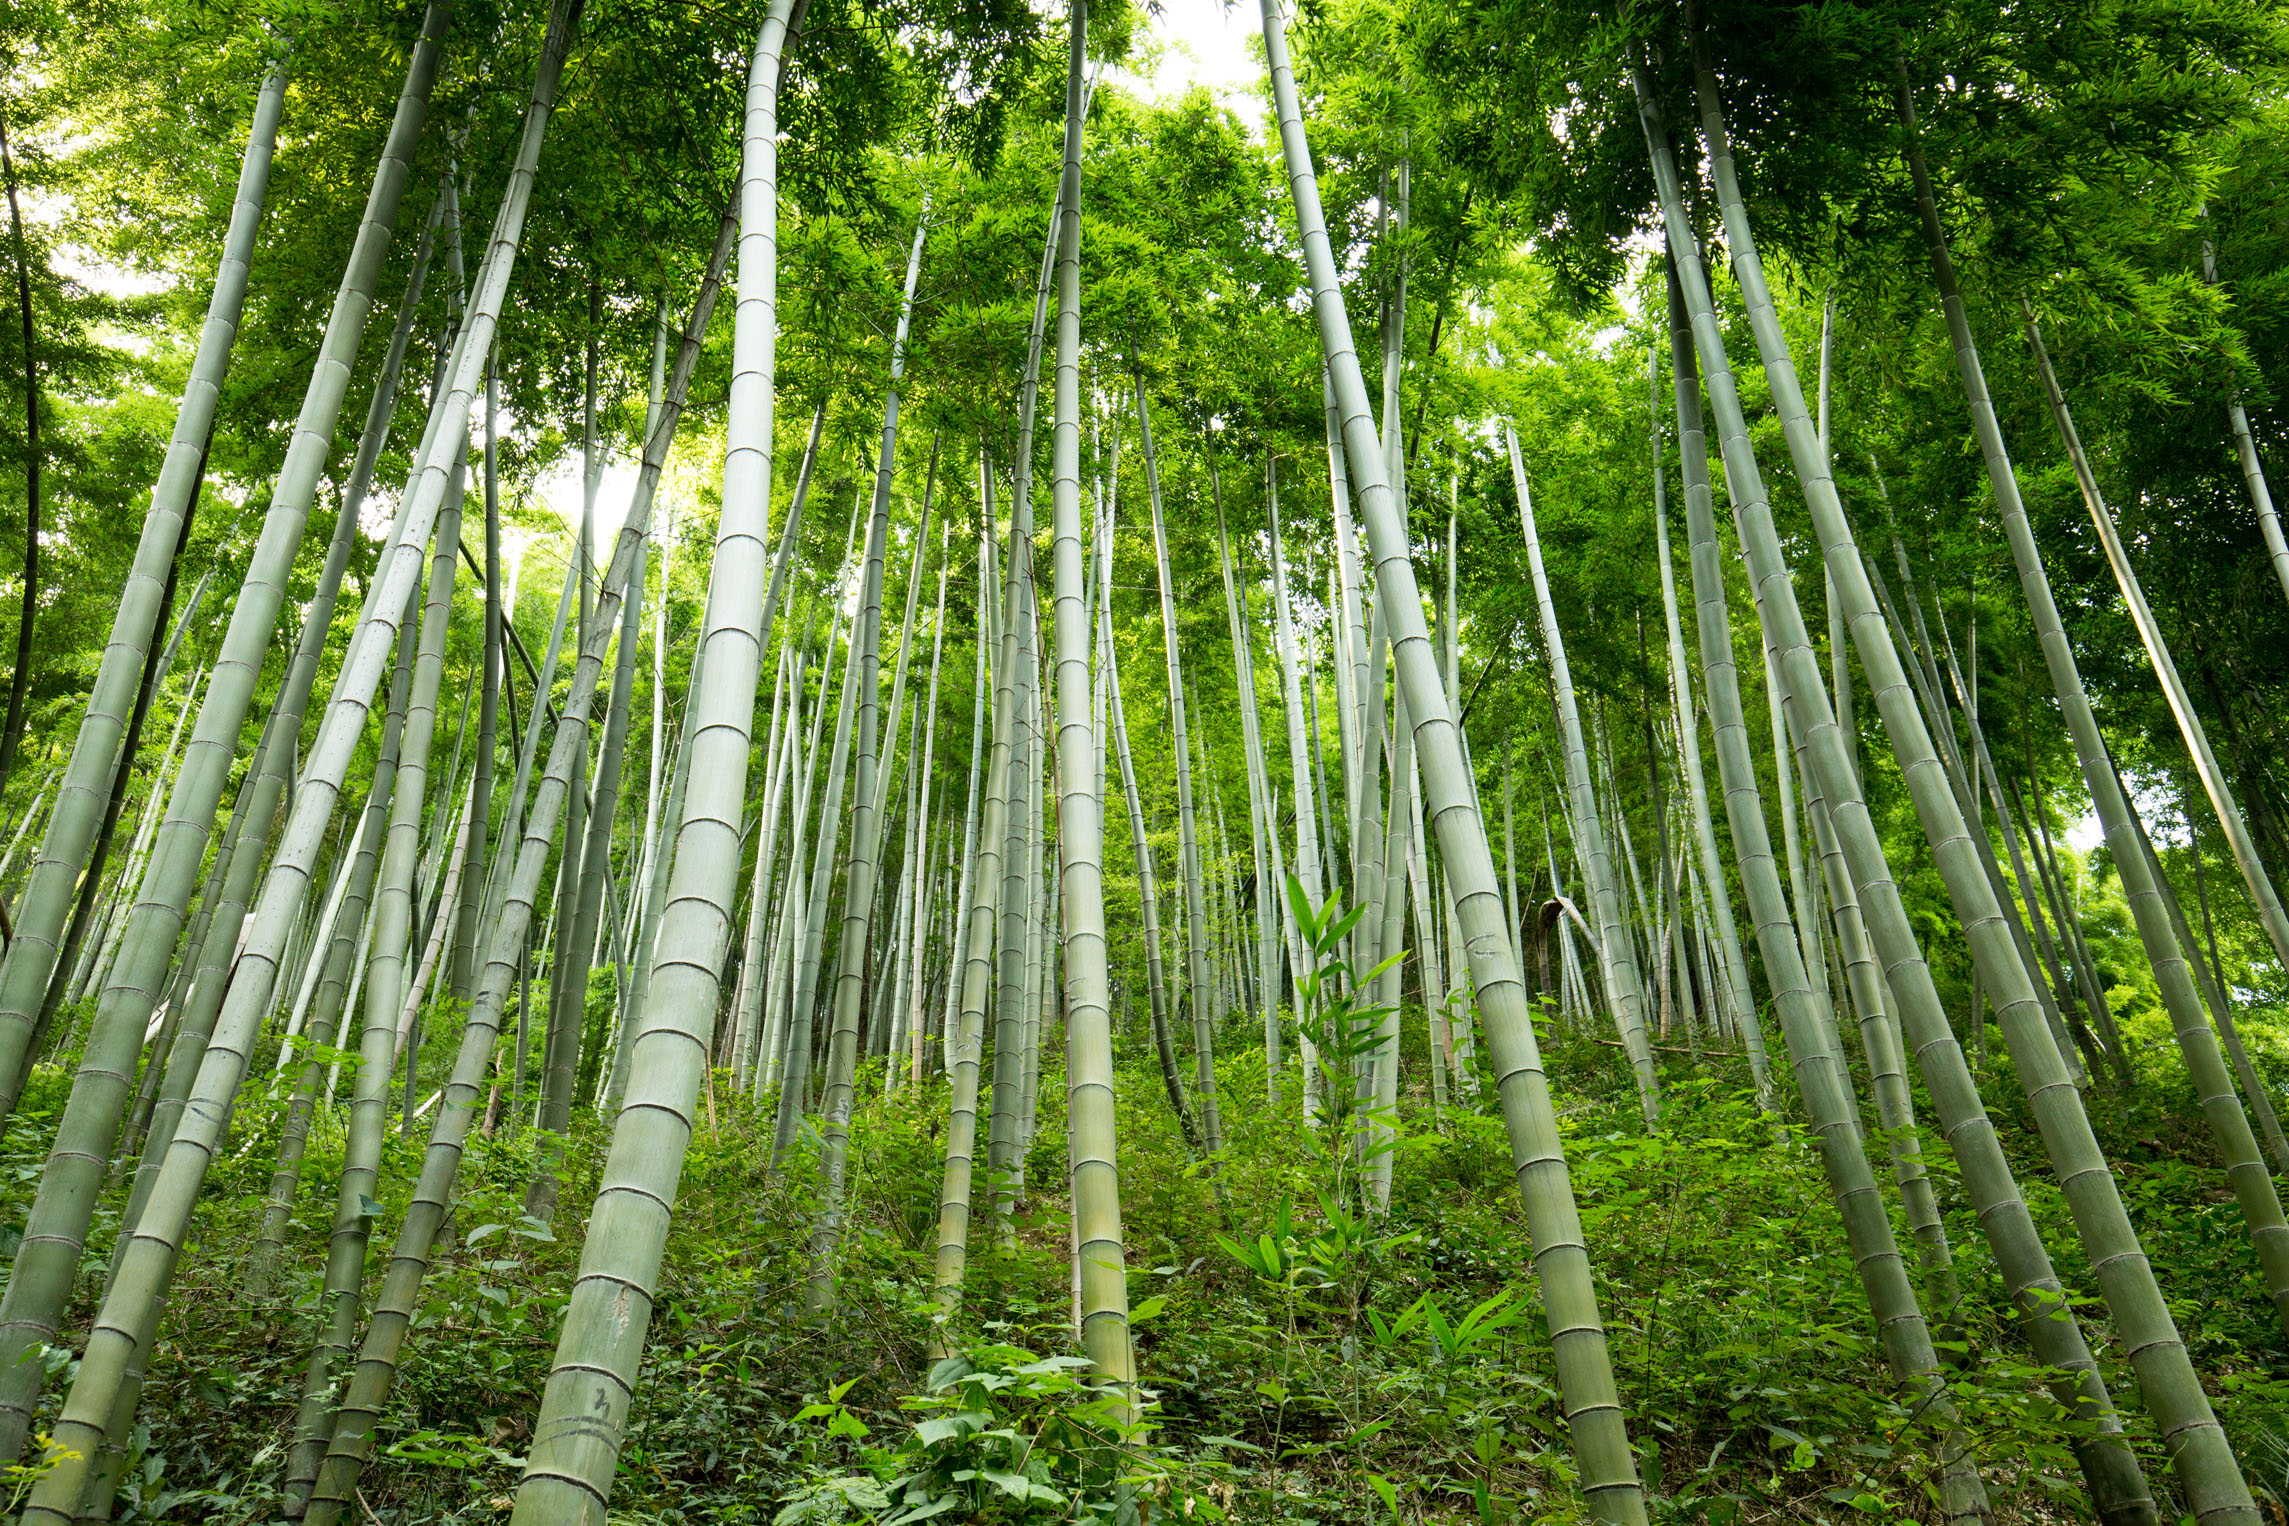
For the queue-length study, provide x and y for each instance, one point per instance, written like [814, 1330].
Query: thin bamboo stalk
[1618, 963]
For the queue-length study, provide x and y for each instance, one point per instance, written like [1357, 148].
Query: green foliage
[1008, 1436]
[1309, 1360]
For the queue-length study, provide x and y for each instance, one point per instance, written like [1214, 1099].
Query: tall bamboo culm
[79, 805]
[2116, 1486]
[1608, 1469]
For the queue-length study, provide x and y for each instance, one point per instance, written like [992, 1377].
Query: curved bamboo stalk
[1188, 835]
[1618, 960]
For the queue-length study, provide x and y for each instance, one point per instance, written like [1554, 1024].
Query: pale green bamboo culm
[64, 843]
[368, 1389]
[358, 1179]
[1000, 883]
[1624, 985]
[2246, 457]
[2221, 1106]
[1198, 985]
[866, 818]
[1092, 1126]
[56, 1230]
[2046, 1319]
[125, 1322]
[1821, 1080]
[2167, 1381]
[1734, 966]
[965, 1014]
[386, 983]
[584, 1409]
[1148, 887]
[1592, 1404]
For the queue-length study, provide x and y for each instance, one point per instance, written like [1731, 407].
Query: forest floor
[1299, 1367]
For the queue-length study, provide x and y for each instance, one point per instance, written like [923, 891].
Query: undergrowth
[1300, 1362]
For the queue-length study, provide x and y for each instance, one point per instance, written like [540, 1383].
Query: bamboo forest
[1307, 761]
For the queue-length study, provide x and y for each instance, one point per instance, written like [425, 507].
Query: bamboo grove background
[1375, 807]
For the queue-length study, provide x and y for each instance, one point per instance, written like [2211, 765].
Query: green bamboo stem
[862, 864]
[1696, 782]
[2245, 456]
[1148, 890]
[340, 945]
[2213, 991]
[367, 1391]
[123, 1326]
[747, 1003]
[2221, 1107]
[795, 1080]
[596, 858]
[385, 990]
[980, 912]
[359, 1179]
[2070, 919]
[47, 900]
[1188, 834]
[1260, 822]
[1378, 1087]
[1617, 959]
[1822, 1082]
[495, 660]
[1880, 1046]
[639, 984]
[2118, 1491]
[1020, 890]
[907, 1042]
[1608, 1470]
